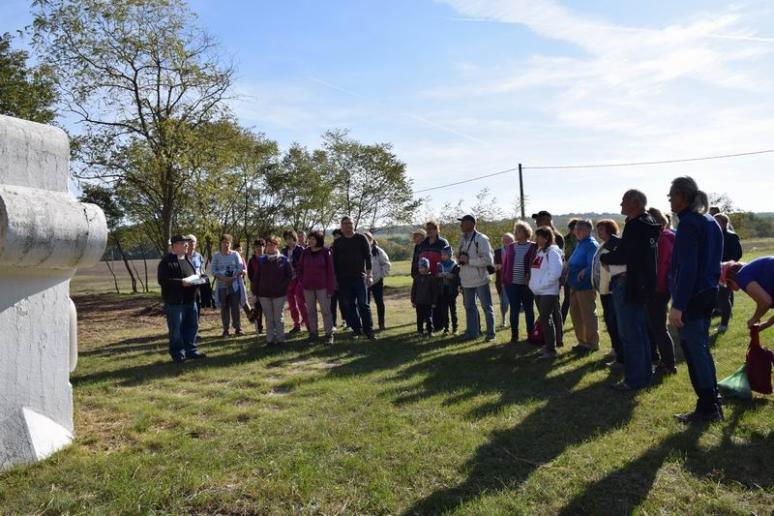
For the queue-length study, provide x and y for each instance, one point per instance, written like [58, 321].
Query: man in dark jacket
[179, 293]
[694, 279]
[732, 252]
[632, 289]
[352, 264]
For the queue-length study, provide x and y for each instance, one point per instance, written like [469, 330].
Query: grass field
[400, 425]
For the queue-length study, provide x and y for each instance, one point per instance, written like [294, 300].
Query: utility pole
[521, 193]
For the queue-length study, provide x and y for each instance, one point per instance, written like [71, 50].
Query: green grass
[396, 426]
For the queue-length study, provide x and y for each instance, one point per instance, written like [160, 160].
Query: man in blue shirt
[757, 279]
[694, 278]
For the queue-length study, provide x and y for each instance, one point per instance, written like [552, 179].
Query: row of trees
[159, 148]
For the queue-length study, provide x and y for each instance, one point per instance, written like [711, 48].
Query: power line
[467, 180]
[600, 165]
[641, 163]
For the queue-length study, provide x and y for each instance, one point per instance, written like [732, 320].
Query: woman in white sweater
[544, 282]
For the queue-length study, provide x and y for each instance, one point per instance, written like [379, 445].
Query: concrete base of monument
[37, 438]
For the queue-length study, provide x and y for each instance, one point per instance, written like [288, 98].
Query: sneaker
[196, 356]
[614, 365]
[697, 417]
[514, 339]
[621, 387]
[445, 332]
[329, 339]
[722, 328]
[583, 350]
[312, 338]
[238, 332]
[178, 360]
[225, 333]
[663, 369]
[489, 338]
[371, 336]
[295, 329]
[610, 356]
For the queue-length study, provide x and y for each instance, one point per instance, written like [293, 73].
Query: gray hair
[584, 223]
[687, 187]
[638, 196]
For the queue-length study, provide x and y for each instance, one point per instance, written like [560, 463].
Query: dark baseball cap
[179, 238]
[469, 218]
[541, 213]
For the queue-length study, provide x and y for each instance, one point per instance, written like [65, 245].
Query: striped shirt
[520, 252]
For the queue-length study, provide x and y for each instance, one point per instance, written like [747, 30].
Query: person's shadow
[624, 489]
[567, 418]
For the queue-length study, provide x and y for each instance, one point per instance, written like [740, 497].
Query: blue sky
[465, 88]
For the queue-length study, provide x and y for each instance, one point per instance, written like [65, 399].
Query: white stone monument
[45, 234]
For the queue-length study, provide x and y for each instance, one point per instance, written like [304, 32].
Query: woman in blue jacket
[582, 294]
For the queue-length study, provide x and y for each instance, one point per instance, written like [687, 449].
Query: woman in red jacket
[661, 344]
[317, 279]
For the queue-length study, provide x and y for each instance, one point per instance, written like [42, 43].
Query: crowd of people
[635, 273]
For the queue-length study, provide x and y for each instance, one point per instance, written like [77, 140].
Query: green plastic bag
[737, 385]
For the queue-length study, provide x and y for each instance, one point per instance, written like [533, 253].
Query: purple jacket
[315, 270]
[272, 276]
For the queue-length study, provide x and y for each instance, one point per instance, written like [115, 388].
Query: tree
[25, 92]
[722, 201]
[143, 78]
[371, 183]
[105, 199]
[485, 206]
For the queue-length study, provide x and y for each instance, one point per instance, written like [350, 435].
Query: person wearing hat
[544, 218]
[179, 293]
[424, 296]
[418, 236]
[476, 262]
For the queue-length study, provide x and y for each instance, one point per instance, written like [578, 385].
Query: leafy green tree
[144, 78]
[105, 199]
[25, 92]
[371, 182]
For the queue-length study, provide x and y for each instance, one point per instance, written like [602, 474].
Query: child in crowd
[448, 273]
[424, 296]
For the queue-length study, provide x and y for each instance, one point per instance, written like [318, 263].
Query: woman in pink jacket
[317, 279]
[662, 346]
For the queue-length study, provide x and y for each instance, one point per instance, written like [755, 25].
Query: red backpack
[759, 364]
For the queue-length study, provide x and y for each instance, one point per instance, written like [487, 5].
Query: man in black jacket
[732, 251]
[179, 293]
[632, 289]
[352, 264]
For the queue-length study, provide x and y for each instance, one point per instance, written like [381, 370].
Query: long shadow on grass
[623, 490]
[140, 374]
[568, 417]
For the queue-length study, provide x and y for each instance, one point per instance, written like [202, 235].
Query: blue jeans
[611, 323]
[694, 339]
[633, 332]
[472, 319]
[353, 296]
[183, 323]
[521, 296]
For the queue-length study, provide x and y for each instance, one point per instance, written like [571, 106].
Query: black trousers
[377, 292]
[662, 346]
[725, 304]
[447, 305]
[424, 318]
